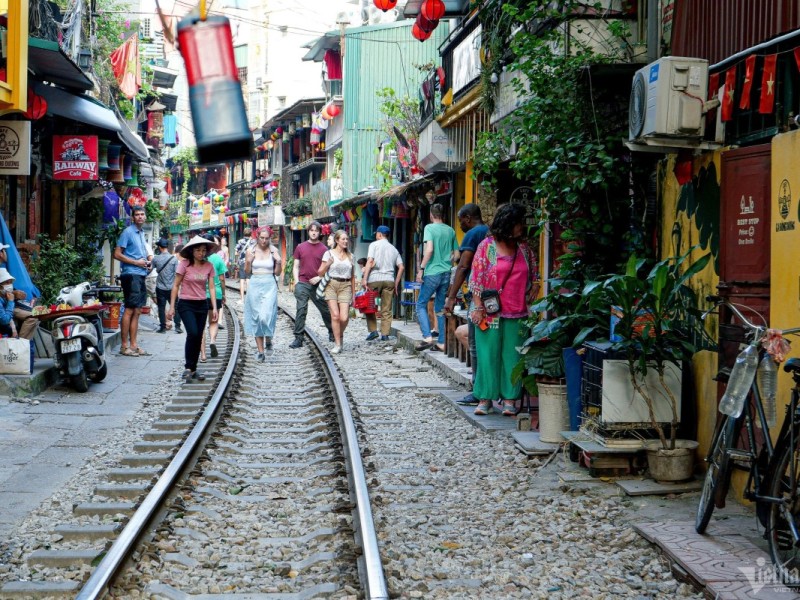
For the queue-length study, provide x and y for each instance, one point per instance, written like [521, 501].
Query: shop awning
[48, 62]
[61, 103]
[134, 143]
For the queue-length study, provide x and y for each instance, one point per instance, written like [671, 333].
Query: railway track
[250, 483]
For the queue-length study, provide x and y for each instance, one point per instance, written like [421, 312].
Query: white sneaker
[336, 350]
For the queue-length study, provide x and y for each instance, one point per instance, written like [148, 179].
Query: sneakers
[268, 344]
[388, 338]
[330, 337]
[509, 408]
[178, 330]
[468, 400]
[297, 343]
[260, 357]
[373, 335]
[336, 350]
[214, 352]
[484, 407]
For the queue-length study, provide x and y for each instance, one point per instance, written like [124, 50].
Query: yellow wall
[785, 248]
[675, 219]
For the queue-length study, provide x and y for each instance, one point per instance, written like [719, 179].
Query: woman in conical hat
[192, 277]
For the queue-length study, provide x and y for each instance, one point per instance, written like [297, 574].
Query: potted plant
[567, 320]
[660, 327]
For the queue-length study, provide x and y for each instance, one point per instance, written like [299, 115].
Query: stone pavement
[45, 440]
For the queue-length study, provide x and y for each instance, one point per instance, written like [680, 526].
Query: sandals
[202, 359]
[186, 375]
[438, 348]
[423, 346]
[140, 352]
[198, 376]
[128, 352]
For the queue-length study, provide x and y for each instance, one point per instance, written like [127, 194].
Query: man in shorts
[136, 259]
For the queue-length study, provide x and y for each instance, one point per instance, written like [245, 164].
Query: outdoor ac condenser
[667, 99]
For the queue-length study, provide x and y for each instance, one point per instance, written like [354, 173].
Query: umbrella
[15, 266]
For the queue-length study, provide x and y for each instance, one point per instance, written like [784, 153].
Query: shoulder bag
[491, 298]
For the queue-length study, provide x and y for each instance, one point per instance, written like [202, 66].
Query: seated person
[14, 321]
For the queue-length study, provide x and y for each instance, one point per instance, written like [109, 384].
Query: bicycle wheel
[785, 555]
[718, 475]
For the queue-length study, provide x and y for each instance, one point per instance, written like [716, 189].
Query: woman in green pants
[503, 283]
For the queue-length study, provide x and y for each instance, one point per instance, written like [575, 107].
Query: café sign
[15, 147]
[75, 157]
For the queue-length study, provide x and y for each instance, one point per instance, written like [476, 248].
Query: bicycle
[773, 481]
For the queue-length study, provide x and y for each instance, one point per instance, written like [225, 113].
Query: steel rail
[102, 576]
[374, 577]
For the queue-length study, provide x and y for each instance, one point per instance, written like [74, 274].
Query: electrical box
[667, 99]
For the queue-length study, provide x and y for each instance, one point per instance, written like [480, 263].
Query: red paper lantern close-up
[37, 106]
[426, 25]
[433, 10]
[334, 110]
[385, 5]
[419, 34]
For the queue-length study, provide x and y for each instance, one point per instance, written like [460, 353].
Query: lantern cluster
[217, 200]
[428, 19]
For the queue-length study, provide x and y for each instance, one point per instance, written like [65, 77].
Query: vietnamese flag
[749, 69]
[767, 103]
[727, 101]
[713, 85]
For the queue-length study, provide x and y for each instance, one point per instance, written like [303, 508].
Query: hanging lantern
[270, 145]
[385, 5]
[279, 130]
[334, 110]
[116, 176]
[127, 165]
[433, 10]
[113, 157]
[325, 114]
[37, 106]
[102, 154]
[285, 136]
[419, 34]
[424, 24]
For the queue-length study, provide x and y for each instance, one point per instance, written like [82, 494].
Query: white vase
[553, 412]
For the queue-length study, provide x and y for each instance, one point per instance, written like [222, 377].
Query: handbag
[323, 283]
[491, 298]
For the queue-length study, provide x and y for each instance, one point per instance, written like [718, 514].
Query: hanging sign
[15, 147]
[75, 157]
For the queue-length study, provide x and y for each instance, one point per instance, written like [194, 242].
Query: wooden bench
[453, 347]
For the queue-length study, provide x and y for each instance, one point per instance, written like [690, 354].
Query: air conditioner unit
[667, 99]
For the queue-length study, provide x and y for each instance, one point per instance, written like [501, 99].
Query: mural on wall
[699, 202]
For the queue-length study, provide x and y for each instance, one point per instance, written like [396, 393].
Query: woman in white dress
[263, 264]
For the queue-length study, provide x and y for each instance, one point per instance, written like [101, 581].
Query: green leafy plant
[298, 208]
[400, 122]
[153, 211]
[660, 323]
[59, 263]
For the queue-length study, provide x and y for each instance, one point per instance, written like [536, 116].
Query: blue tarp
[15, 266]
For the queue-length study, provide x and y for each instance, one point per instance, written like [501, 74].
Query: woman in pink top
[192, 277]
[502, 262]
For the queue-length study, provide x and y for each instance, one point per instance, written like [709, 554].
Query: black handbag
[491, 298]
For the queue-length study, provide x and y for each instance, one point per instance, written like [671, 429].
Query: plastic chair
[408, 298]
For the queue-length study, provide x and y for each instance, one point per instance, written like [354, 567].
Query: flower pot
[111, 316]
[671, 465]
[553, 412]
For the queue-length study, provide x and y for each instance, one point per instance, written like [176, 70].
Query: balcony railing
[316, 161]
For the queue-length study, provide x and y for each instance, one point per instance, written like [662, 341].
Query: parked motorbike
[78, 337]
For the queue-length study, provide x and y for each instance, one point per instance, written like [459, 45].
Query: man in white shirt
[383, 274]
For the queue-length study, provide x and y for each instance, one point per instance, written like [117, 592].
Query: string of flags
[767, 76]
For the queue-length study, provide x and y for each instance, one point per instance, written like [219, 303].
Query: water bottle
[739, 383]
[767, 378]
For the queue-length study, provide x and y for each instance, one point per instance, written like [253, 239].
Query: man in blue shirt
[132, 251]
[475, 230]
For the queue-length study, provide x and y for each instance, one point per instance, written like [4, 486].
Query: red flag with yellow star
[727, 101]
[767, 103]
[749, 69]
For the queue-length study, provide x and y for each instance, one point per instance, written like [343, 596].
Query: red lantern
[433, 10]
[419, 34]
[334, 110]
[37, 106]
[385, 5]
[426, 25]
